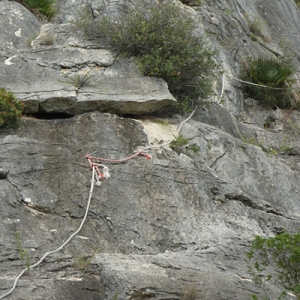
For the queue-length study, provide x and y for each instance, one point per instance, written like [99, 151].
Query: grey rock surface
[155, 227]
[18, 26]
[47, 78]
[178, 223]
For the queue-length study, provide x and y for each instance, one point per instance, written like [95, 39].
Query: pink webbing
[139, 152]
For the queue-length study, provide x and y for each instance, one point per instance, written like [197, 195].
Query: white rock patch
[18, 32]
[159, 131]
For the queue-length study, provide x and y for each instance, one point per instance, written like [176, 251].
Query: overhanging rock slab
[47, 85]
[138, 95]
[62, 74]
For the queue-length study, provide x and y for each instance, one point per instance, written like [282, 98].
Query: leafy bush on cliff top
[10, 110]
[165, 41]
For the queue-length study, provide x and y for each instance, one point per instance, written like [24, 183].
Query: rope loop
[138, 152]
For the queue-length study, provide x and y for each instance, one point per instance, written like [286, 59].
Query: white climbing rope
[242, 81]
[97, 176]
[63, 245]
[251, 83]
[180, 127]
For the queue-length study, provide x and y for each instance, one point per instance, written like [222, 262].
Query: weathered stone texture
[157, 228]
[46, 78]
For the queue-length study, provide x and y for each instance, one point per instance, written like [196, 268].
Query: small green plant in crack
[83, 262]
[209, 145]
[179, 141]
[78, 80]
[255, 26]
[22, 252]
[228, 12]
[223, 102]
[253, 37]
[286, 149]
[251, 141]
[115, 297]
[268, 122]
[194, 148]
[270, 151]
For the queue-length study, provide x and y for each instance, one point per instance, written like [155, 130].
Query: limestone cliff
[157, 228]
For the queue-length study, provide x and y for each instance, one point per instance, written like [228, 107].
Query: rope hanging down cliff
[99, 173]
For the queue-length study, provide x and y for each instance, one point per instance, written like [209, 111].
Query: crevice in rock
[3, 173]
[61, 268]
[51, 116]
[39, 208]
[43, 49]
[144, 293]
[90, 290]
[244, 199]
[218, 158]
[251, 203]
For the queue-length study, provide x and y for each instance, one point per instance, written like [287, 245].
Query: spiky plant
[275, 83]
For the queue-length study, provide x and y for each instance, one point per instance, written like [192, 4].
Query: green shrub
[179, 141]
[297, 2]
[277, 76]
[43, 7]
[10, 110]
[281, 252]
[164, 40]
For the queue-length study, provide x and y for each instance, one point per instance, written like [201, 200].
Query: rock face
[61, 73]
[169, 227]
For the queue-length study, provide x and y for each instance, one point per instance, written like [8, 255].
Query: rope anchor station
[99, 173]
